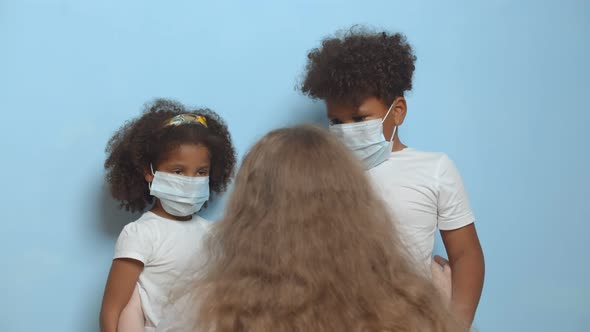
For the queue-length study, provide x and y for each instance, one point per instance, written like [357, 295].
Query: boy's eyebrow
[362, 111]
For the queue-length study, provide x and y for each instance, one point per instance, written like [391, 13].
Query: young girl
[169, 159]
[305, 245]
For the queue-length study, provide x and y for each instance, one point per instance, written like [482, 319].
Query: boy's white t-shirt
[423, 191]
[170, 250]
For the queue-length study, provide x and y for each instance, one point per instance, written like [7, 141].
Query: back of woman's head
[305, 245]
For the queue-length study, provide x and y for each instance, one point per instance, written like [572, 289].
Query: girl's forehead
[187, 153]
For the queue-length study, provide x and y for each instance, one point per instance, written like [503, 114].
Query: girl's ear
[148, 176]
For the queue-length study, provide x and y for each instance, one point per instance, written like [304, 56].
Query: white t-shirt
[169, 250]
[423, 191]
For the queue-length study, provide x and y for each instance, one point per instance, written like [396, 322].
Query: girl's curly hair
[145, 140]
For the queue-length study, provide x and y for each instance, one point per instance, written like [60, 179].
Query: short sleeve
[135, 242]
[454, 209]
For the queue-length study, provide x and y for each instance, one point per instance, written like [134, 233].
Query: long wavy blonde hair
[305, 245]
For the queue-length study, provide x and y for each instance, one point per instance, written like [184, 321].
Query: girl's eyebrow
[176, 165]
[180, 165]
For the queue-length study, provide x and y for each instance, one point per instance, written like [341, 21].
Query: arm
[120, 285]
[467, 263]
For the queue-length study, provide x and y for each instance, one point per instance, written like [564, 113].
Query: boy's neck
[397, 145]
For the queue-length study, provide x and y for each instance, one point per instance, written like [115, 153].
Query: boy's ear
[399, 110]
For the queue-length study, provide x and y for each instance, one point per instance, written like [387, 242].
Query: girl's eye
[359, 118]
[177, 171]
[335, 121]
[203, 173]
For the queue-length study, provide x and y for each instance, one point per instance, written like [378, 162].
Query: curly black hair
[358, 64]
[145, 140]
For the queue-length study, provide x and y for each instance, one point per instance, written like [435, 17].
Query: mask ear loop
[393, 134]
[394, 128]
[154, 174]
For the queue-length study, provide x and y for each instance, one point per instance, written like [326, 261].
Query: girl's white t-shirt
[171, 252]
[424, 192]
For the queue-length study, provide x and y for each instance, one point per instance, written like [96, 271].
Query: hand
[442, 277]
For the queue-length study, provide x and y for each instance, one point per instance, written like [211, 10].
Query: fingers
[441, 261]
[442, 277]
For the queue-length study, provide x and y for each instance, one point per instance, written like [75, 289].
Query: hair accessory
[186, 119]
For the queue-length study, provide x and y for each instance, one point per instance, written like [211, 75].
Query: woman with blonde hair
[305, 245]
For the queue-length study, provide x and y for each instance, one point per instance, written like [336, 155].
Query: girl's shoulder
[150, 222]
[146, 223]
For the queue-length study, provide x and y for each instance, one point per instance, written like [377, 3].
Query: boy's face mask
[180, 195]
[365, 139]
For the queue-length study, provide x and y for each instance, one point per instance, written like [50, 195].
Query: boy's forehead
[340, 111]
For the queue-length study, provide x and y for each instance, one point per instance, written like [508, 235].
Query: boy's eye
[359, 118]
[335, 121]
[177, 171]
[203, 173]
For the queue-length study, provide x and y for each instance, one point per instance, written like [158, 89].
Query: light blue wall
[501, 86]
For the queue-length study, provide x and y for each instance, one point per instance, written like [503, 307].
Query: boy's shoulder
[420, 158]
[420, 153]
[414, 166]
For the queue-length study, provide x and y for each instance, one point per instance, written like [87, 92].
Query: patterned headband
[186, 119]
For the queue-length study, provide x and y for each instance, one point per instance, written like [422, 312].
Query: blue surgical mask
[366, 140]
[180, 195]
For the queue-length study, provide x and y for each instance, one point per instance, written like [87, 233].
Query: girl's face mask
[180, 195]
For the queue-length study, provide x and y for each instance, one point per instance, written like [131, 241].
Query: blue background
[501, 86]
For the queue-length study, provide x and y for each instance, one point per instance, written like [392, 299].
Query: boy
[362, 78]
